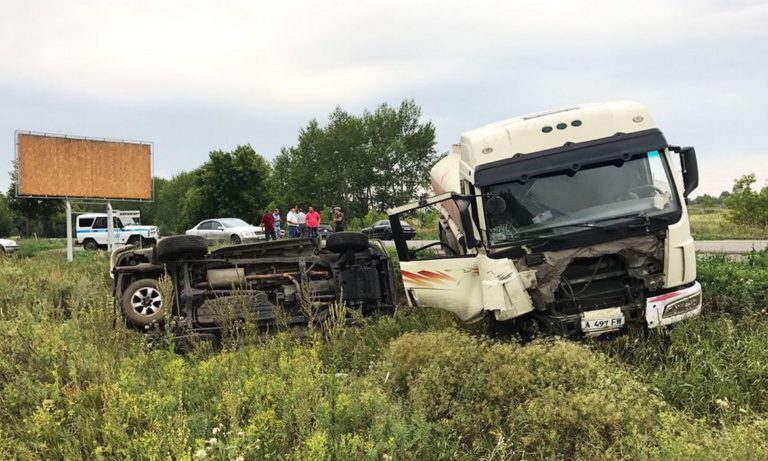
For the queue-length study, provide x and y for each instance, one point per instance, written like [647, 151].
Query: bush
[735, 287]
[746, 206]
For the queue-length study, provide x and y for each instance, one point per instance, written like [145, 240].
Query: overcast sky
[196, 76]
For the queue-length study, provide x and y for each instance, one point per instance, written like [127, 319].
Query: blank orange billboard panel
[57, 166]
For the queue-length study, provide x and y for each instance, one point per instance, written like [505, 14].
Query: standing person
[313, 221]
[268, 223]
[276, 217]
[338, 220]
[293, 223]
[302, 219]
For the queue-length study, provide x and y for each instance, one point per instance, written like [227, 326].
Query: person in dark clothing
[268, 224]
[338, 220]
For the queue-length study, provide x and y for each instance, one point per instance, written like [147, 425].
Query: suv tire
[90, 245]
[142, 303]
[178, 246]
[340, 242]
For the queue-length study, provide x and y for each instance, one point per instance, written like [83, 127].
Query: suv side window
[116, 223]
[85, 222]
[100, 223]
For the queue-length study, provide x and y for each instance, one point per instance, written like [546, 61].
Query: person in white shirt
[302, 219]
[293, 223]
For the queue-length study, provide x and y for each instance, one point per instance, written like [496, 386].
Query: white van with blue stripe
[92, 231]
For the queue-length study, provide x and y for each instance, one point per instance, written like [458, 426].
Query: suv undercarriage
[270, 284]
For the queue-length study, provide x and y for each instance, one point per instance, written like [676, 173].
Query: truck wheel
[234, 239]
[340, 242]
[142, 303]
[135, 241]
[178, 246]
[90, 245]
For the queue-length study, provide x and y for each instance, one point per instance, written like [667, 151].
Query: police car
[92, 231]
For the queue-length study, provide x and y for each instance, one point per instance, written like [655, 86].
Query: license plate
[602, 320]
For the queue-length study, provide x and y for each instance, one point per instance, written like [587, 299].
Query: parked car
[8, 246]
[267, 283]
[383, 230]
[234, 230]
[91, 231]
[324, 230]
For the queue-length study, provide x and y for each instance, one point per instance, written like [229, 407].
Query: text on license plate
[601, 320]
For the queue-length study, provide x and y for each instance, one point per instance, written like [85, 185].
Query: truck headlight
[682, 306]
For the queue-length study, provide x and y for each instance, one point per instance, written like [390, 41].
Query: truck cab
[571, 222]
[92, 232]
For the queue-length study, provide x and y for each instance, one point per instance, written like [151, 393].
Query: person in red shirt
[268, 223]
[313, 221]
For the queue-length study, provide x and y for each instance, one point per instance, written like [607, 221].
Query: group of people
[299, 224]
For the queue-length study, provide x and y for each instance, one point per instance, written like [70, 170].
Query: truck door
[451, 283]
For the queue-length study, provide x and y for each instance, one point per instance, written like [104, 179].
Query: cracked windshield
[569, 202]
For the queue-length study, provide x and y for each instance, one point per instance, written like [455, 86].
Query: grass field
[75, 384]
[712, 224]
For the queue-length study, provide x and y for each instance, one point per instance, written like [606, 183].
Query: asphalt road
[702, 246]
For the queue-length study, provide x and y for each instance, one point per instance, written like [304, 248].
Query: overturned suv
[272, 284]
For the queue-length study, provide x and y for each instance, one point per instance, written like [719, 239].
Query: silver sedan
[229, 229]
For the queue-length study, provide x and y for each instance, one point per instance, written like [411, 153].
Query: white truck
[92, 232]
[571, 222]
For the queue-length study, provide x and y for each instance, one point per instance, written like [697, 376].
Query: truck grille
[592, 283]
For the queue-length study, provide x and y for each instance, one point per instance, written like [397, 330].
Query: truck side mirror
[690, 170]
[466, 222]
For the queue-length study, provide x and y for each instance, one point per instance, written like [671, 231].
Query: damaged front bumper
[674, 306]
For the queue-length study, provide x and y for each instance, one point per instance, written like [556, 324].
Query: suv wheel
[180, 246]
[90, 245]
[142, 303]
[340, 242]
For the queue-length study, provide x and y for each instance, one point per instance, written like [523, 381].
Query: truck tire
[142, 303]
[135, 240]
[340, 242]
[90, 245]
[178, 246]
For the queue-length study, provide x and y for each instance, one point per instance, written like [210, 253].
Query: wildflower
[240, 433]
[211, 441]
[215, 430]
[201, 454]
[722, 403]
[240, 458]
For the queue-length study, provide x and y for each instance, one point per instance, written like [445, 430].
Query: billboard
[58, 166]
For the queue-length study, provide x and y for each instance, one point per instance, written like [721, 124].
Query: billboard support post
[110, 228]
[69, 232]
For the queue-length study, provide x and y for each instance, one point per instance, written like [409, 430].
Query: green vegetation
[75, 384]
[714, 224]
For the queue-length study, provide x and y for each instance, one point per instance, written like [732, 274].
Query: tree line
[362, 163]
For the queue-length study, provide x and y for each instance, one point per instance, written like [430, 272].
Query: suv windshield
[570, 201]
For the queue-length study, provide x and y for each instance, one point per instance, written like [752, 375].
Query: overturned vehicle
[570, 222]
[271, 284]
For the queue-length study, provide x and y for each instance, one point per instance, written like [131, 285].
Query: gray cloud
[193, 76]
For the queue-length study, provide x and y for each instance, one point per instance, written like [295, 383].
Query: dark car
[282, 282]
[383, 230]
[324, 230]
